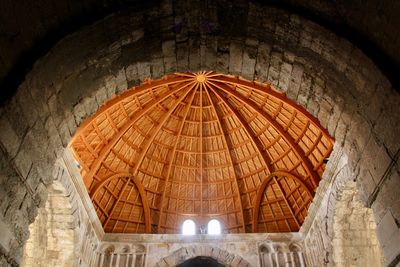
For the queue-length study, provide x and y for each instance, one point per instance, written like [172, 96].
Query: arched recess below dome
[218, 256]
[285, 194]
[123, 204]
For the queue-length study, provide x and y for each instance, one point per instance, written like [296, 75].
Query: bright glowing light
[214, 227]
[188, 227]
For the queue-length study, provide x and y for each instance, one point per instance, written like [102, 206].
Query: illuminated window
[188, 227]
[214, 227]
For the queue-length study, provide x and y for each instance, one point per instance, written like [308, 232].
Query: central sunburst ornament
[201, 78]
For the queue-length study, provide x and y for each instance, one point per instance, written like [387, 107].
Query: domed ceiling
[201, 146]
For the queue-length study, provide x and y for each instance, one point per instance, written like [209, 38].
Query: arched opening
[52, 237]
[214, 227]
[221, 256]
[188, 227]
[200, 262]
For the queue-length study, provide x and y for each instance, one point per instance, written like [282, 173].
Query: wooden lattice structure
[201, 146]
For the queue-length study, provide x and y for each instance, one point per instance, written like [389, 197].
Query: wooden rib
[263, 186]
[201, 150]
[287, 202]
[249, 131]
[266, 88]
[88, 146]
[229, 157]
[106, 150]
[122, 208]
[142, 193]
[285, 218]
[173, 155]
[165, 81]
[296, 149]
[148, 142]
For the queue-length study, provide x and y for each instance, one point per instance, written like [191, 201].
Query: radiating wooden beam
[136, 116]
[147, 144]
[289, 140]
[165, 81]
[229, 157]
[287, 202]
[249, 131]
[169, 168]
[266, 88]
[201, 149]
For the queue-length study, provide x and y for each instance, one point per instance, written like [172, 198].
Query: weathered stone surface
[310, 64]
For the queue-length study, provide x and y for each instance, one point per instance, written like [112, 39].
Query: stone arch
[330, 77]
[186, 253]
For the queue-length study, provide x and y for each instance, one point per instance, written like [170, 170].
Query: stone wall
[354, 238]
[228, 249]
[65, 232]
[327, 75]
[30, 28]
[52, 240]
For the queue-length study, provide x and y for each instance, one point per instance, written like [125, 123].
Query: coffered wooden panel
[201, 146]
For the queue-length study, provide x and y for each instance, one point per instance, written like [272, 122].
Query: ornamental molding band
[201, 146]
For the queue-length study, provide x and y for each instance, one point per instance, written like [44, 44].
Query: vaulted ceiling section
[201, 146]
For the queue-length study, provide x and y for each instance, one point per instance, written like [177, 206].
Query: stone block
[169, 64]
[389, 116]
[249, 59]
[16, 118]
[209, 54]
[386, 229]
[295, 81]
[223, 255]
[391, 248]
[215, 252]
[236, 261]
[110, 85]
[285, 76]
[275, 67]
[222, 64]
[6, 235]
[168, 48]
[235, 57]
[182, 56]
[64, 134]
[26, 103]
[8, 138]
[157, 68]
[22, 163]
[121, 81]
[340, 132]
[376, 158]
[304, 90]
[40, 196]
[262, 62]
[374, 107]
[388, 195]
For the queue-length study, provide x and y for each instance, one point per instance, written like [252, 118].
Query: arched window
[214, 227]
[188, 227]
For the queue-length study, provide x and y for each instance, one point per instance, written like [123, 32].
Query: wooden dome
[201, 146]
